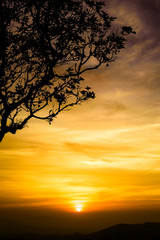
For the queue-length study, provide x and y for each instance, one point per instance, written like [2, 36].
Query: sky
[102, 157]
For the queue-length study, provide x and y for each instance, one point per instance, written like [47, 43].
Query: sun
[78, 208]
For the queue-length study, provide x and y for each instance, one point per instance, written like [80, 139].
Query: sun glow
[79, 208]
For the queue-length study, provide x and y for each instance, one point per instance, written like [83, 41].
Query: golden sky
[103, 155]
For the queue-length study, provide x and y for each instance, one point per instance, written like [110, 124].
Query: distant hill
[146, 231]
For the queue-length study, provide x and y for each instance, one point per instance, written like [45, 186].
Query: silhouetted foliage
[45, 46]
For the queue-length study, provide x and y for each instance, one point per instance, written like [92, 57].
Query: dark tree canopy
[45, 46]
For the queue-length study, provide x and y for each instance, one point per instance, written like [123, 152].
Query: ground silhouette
[146, 231]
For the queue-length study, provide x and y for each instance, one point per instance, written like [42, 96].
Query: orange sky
[103, 155]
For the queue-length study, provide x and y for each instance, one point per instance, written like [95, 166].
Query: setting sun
[78, 208]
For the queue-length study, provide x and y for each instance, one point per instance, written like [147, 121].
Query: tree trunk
[2, 134]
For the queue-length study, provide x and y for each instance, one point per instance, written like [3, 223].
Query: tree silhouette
[45, 46]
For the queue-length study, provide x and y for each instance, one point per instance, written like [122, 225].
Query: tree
[45, 47]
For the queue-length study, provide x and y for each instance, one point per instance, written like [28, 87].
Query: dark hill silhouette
[146, 231]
